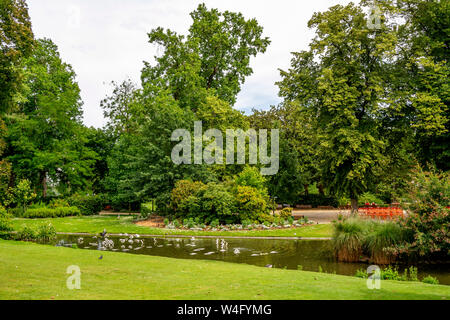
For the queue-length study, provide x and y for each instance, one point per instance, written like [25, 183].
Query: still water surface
[309, 255]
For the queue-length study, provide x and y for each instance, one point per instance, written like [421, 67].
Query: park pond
[307, 255]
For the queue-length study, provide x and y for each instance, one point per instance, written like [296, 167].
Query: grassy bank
[96, 224]
[31, 271]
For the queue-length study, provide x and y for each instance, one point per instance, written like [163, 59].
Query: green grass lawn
[96, 224]
[32, 271]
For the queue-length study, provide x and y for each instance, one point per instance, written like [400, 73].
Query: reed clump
[355, 239]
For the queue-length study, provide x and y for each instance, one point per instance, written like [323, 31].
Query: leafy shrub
[428, 192]
[183, 190]
[16, 212]
[369, 198]
[46, 232]
[250, 203]
[163, 203]
[251, 177]
[88, 204]
[217, 201]
[427, 225]
[147, 209]
[246, 223]
[22, 194]
[51, 213]
[316, 200]
[189, 223]
[265, 217]
[226, 202]
[391, 273]
[57, 203]
[26, 234]
[430, 280]
[37, 205]
[5, 224]
[215, 223]
[286, 213]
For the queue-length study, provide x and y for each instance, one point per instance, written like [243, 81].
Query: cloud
[106, 40]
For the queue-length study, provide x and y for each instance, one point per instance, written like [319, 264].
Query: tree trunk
[306, 189]
[321, 191]
[12, 179]
[354, 206]
[44, 184]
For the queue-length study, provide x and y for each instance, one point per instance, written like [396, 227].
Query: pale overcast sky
[106, 40]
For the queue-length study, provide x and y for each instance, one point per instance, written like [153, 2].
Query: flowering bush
[428, 223]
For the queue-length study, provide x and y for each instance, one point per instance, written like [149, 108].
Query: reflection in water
[308, 255]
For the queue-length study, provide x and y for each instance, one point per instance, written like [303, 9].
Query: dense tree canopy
[46, 137]
[16, 41]
[361, 107]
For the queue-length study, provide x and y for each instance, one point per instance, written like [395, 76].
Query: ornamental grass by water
[355, 238]
[348, 239]
[384, 235]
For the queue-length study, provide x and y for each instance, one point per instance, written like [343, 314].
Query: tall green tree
[46, 139]
[214, 56]
[340, 82]
[122, 108]
[16, 43]
[425, 69]
[140, 165]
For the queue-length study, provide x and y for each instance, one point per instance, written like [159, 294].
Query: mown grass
[32, 271]
[96, 224]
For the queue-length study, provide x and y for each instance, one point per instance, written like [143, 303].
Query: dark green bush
[316, 200]
[430, 280]
[88, 204]
[147, 209]
[51, 213]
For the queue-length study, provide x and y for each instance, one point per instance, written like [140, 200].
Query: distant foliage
[51, 213]
[5, 223]
[316, 200]
[88, 204]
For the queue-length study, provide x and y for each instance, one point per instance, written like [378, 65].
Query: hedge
[88, 204]
[51, 213]
[316, 200]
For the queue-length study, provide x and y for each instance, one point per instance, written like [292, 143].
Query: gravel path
[321, 216]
